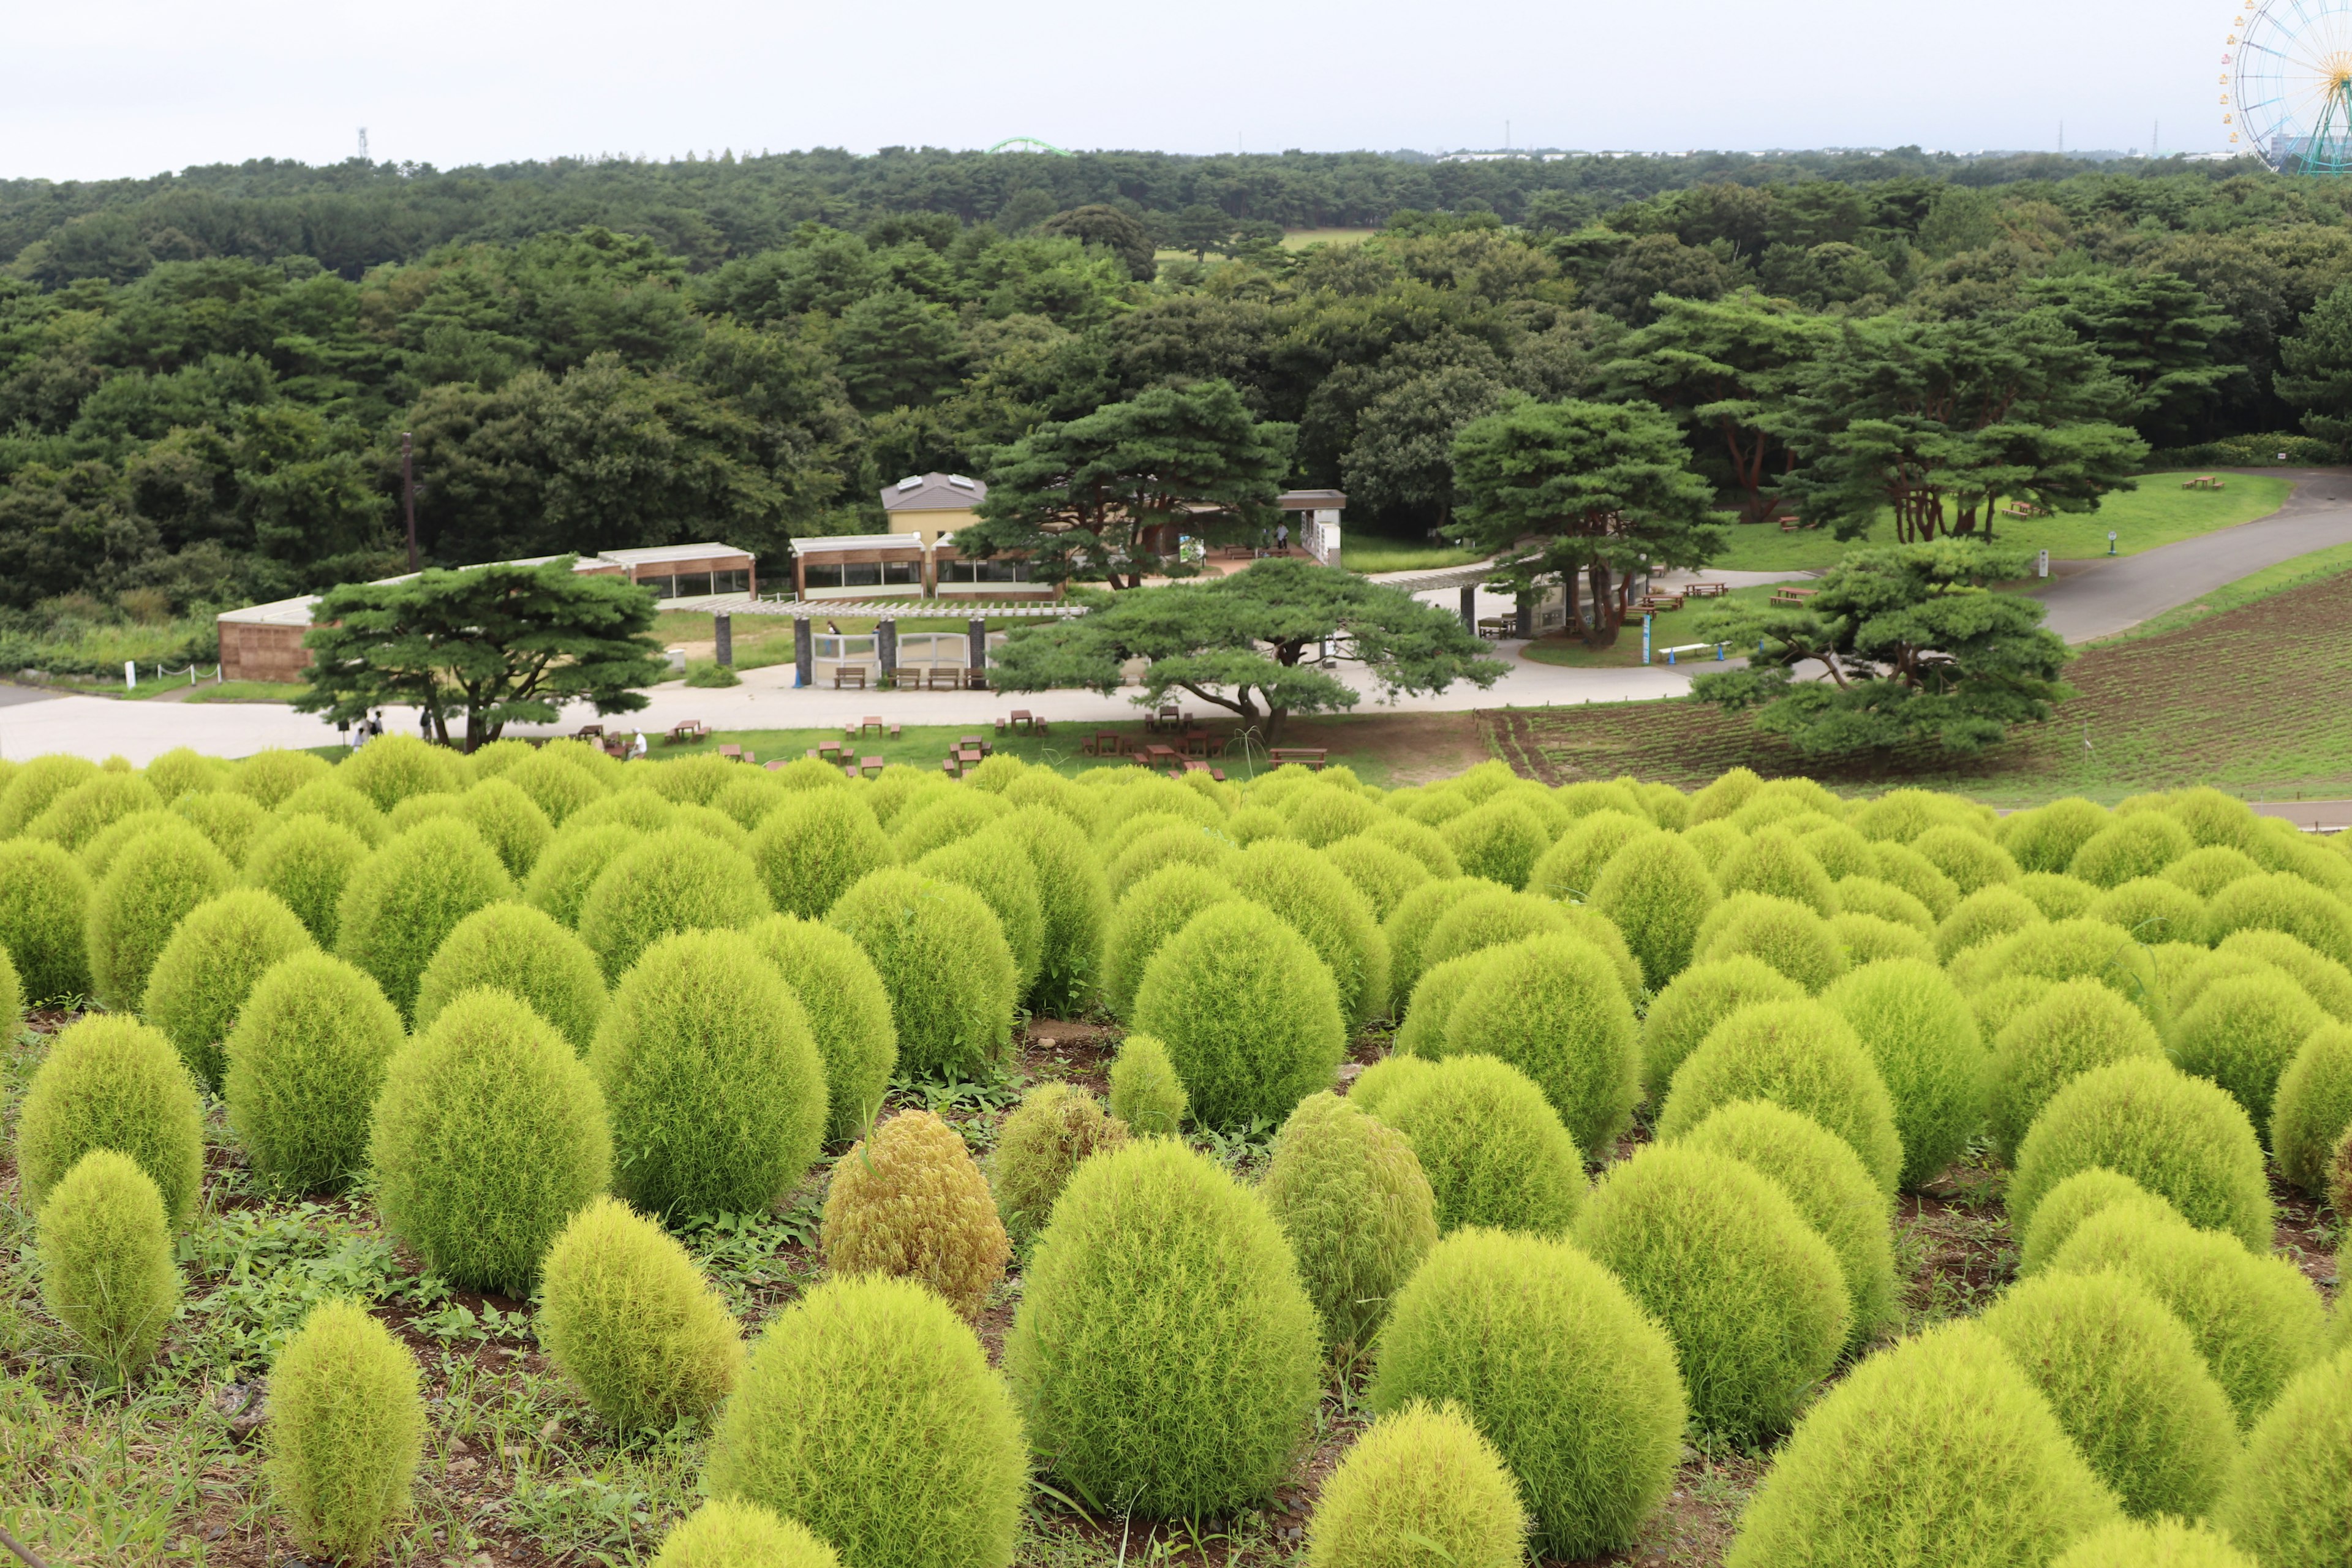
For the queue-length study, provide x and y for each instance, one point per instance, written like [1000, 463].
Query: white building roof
[821, 543]
[278, 613]
[668, 552]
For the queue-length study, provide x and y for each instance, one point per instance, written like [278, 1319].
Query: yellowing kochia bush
[627, 1316]
[1165, 1352]
[105, 1252]
[2292, 1489]
[1248, 1014]
[1054, 1129]
[710, 1077]
[2074, 1027]
[44, 909]
[1787, 935]
[111, 1082]
[305, 1064]
[869, 1412]
[2242, 1033]
[1551, 1007]
[2313, 1107]
[1831, 1188]
[522, 951]
[673, 881]
[2126, 1382]
[1939, 1449]
[2182, 1138]
[1358, 1214]
[1923, 1038]
[305, 861]
[1544, 1351]
[848, 1015]
[1145, 1092]
[346, 1429]
[2254, 1318]
[488, 1136]
[1324, 907]
[813, 846]
[202, 975]
[1658, 891]
[1492, 1147]
[1717, 1252]
[571, 864]
[141, 902]
[403, 903]
[908, 1201]
[1422, 1480]
[942, 959]
[1800, 1055]
[728, 1534]
[1696, 1000]
[1155, 908]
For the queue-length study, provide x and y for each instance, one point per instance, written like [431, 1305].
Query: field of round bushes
[1471, 1164]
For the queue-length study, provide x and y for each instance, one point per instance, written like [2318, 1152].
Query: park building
[917, 558]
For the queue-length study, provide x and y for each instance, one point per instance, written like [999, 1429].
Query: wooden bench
[2024, 509]
[850, 676]
[1658, 604]
[906, 678]
[1309, 757]
[943, 680]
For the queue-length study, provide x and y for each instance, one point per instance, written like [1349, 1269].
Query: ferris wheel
[2287, 85]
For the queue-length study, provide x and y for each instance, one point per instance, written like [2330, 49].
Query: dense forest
[205, 377]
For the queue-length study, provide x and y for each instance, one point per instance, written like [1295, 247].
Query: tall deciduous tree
[1570, 488]
[1913, 643]
[494, 643]
[1084, 497]
[1241, 643]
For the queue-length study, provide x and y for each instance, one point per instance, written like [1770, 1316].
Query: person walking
[1282, 539]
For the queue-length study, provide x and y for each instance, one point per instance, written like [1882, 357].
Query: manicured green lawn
[2159, 512]
[1672, 628]
[1373, 553]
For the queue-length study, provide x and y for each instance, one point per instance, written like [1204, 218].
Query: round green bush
[849, 1016]
[2070, 950]
[1939, 1450]
[918, 830]
[2312, 1108]
[306, 1061]
[1924, 1040]
[1416, 914]
[1842, 852]
[1868, 939]
[2182, 1138]
[1771, 862]
[2253, 1317]
[201, 979]
[1324, 907]
[574, 859]
[2292, 1488]
[1500, 840]
[139, 904]
[1152, 911]
[867, 1412]
[97, 856]
[1571, 870]
[488, 1137]
[2280, 902]
[183, 769]
[1145, 1092]
[1905, 868]
[1719, 1254]
[346, 1429]
[638, 808]
[726, 1533]
[1054, 1129]
[1551, 1358]
[2058, 897]
[2141, 845]
[1832, 1189]
[337, 803]
[26, 792]
[1971, 861]
[1351, 1199]
[1422, 1481]
[1698, 999]
[2163, 1543]
[74, 817]
[1902, 815]
[1493, 1149]
[105, 1254]
[2242, 1033]
[1324, 814]
[391, 768]
[1186, 843]
[1984, 916]
[944, 962]
[12, 998]
[270, 777]
[1443, 986]
[231, 821]
[2126, 1382]
[710, 1077]
[304, 862]
[2048, 837]
[1165, 1353]
[749, 796]
[1486, 920]
[2068, 1030]
[522, 951]
[625, 1315]
[1551, 1007]
[909, 1201]
[1248, 1012]
[671, 881]
[1074, 900]
[43, 916]
[2212, 818]
[1658, 892]
[1412, 839]
[1726, 794]
[695, 781]
[419, 808]
[2152, 909]
[556, 786]
[1790, 937]
[400, 906]
[996, 870]
[1799, 1055]
[510, 821]
[1383, 875]
[111, 1082]
[2323, 980]
[2207, 871]
[2069, 1204]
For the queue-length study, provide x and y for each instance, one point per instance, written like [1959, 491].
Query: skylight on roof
[912, 481]
[959, 481]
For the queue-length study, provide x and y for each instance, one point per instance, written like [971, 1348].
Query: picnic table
[2203, 482]
[1705, 590]
[871, 766]
[734, 753]
[1497, 626]
[1792, 598]
[1167, 716]
[975, 742]
[1310, 757]
[1195, 765]
[871, 722]
[1103, 743]
[588, 732]
[1021, 719]
[688, 729]
[848, 675]
[1658, 604]
[1156, 756]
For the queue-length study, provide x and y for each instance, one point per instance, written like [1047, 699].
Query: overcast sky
[135, 87]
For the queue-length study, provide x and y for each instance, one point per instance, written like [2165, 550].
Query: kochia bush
[1422, 1477]
[1919, 1032]
[1352, 1198]
[1145, 1092]
[522, 951]
[399, 907]
[2242, 1033]
[1249, 1015]
[908, 1201]
[1984, 916]
[1155, 908]
[1071, 896]
[2152, 908]
[2141, 845]
[111, 1082]
[305, 861]
[848, 1015]
[727, 1532]
[1382, 874]
[1658, 891]
[627, 1316]
[1165, 1352]
[306, 1061]
[44, 909]
[996, 869]
[814, 847]
[2166, 1543]
[1408, 926]
[2292, 1488]
[346, 1428]
[671, 881]
[105, 1252]
[1499, 840]
[1057, 1128]
[1492, 1147]
[141, 903]
[1698, 999]
[1799, 1054]
[2313, 1107]
[1324, 907]
[391, 768]
[2075, 1026]
[1493, 917]
[205, 972]
[1774, 864]
[570, 866]
[2047, 838]
[2280, 902]
[1787, 935]
[944, 962]
[1550, 1007]
[2069, 1204]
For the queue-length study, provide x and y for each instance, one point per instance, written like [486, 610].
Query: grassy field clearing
[1668, 629]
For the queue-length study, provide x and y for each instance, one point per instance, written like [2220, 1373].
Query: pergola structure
[886, 614]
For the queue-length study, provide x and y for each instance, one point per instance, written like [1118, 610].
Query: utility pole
[408, 494]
